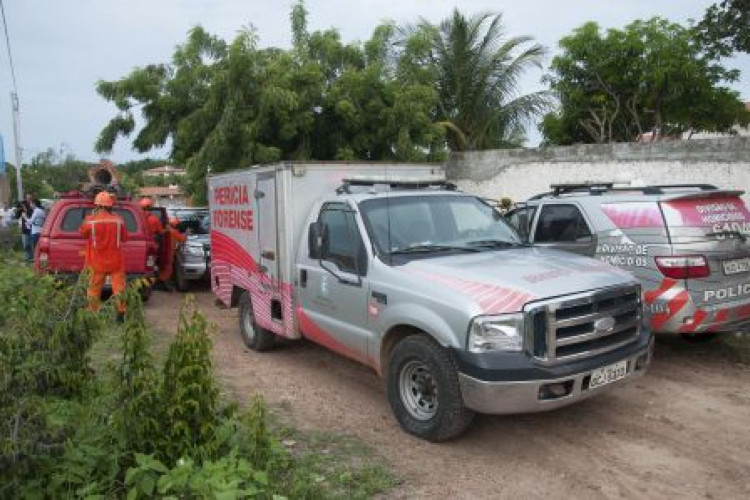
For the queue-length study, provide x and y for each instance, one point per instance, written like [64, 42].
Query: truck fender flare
[423, 319]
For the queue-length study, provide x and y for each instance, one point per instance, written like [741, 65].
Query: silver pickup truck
[427, 285]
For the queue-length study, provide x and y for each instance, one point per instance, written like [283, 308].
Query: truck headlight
[496, 333]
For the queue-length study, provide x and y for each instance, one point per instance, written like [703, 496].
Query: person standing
[36, 221]
[176, 237]
[22, 213]
[105, 232]
[157, 232]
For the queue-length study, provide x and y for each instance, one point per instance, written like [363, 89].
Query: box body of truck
[258, 217]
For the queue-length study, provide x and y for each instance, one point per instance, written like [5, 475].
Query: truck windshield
[194, 221]
[435, 223]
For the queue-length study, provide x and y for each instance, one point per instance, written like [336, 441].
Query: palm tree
[476, 69]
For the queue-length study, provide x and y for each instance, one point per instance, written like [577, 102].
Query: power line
[7, 44]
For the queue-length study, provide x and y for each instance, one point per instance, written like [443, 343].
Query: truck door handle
[303, 278]
[268, 254]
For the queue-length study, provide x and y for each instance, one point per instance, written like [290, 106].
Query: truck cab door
[333, 285]
[266, 213]
[563, 226]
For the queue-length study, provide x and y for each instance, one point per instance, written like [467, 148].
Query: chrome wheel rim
[418, 390]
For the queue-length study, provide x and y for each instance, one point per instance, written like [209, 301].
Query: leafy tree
[48, 173]
[476, 69]
[651, 76]
[227, 105]
[725, 27]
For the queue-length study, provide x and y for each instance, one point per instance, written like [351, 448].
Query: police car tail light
[683, 266]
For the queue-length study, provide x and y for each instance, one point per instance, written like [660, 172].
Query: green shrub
[134, 429]
[188, 395]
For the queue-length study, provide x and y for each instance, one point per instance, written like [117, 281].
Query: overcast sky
[61, 49]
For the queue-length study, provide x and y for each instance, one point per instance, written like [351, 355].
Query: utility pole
[5, 196]
[17, 141]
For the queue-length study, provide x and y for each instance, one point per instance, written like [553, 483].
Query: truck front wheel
[255, 337]
[423, 390]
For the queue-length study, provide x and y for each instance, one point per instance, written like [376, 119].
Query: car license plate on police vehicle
[736, 266]
[608, 374]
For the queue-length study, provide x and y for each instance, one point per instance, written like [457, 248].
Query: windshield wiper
[427, 248]
[494, 243]
[736, 234]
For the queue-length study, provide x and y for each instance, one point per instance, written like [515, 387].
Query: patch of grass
[344, 466]
[108, 349]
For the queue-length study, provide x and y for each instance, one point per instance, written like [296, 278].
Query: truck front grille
[584, 325]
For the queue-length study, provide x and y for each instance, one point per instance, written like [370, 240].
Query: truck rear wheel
[255, 337]
[423, 390]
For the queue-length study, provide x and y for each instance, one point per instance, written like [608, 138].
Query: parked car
[61, 248]
[686, 244]
[193, 258]
[391, 266]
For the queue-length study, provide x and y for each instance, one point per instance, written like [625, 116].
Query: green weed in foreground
[139, 428]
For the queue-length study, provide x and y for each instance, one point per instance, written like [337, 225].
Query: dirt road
[681, 431]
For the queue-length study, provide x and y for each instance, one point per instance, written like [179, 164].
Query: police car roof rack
[659, 189]
[395, 183]
[599, 188]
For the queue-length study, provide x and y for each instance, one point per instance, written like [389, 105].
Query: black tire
[698, 338]
[256, 338]
[435, 410]
[180, 280]
[145, 293]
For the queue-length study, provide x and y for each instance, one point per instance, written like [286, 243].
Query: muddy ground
[682, 431]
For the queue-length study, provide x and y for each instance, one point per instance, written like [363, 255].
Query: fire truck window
[74, 218]
[562, 223]
[344, 241]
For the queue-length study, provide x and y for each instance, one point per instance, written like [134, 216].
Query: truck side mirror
[315, 241]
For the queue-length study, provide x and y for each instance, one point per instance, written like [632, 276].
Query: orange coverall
[157, 230]
[154, 224]
[165, 272]
[106, 233]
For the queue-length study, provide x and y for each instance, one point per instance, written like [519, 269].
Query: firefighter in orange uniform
[152, 220]
[105, 232]
[165, 272]
[157, 232]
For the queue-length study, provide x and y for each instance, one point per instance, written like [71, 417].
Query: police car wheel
[256, 338]
[698, 338]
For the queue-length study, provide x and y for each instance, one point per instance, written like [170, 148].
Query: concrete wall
[521, 173]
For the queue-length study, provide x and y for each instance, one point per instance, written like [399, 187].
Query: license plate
[608, 374]
[736, 266]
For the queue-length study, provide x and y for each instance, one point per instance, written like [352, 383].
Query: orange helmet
[174, 221]
[146, 203]
[104, 199]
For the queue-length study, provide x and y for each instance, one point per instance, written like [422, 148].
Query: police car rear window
[74, 218]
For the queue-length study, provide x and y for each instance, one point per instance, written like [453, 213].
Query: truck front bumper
[531, 396]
